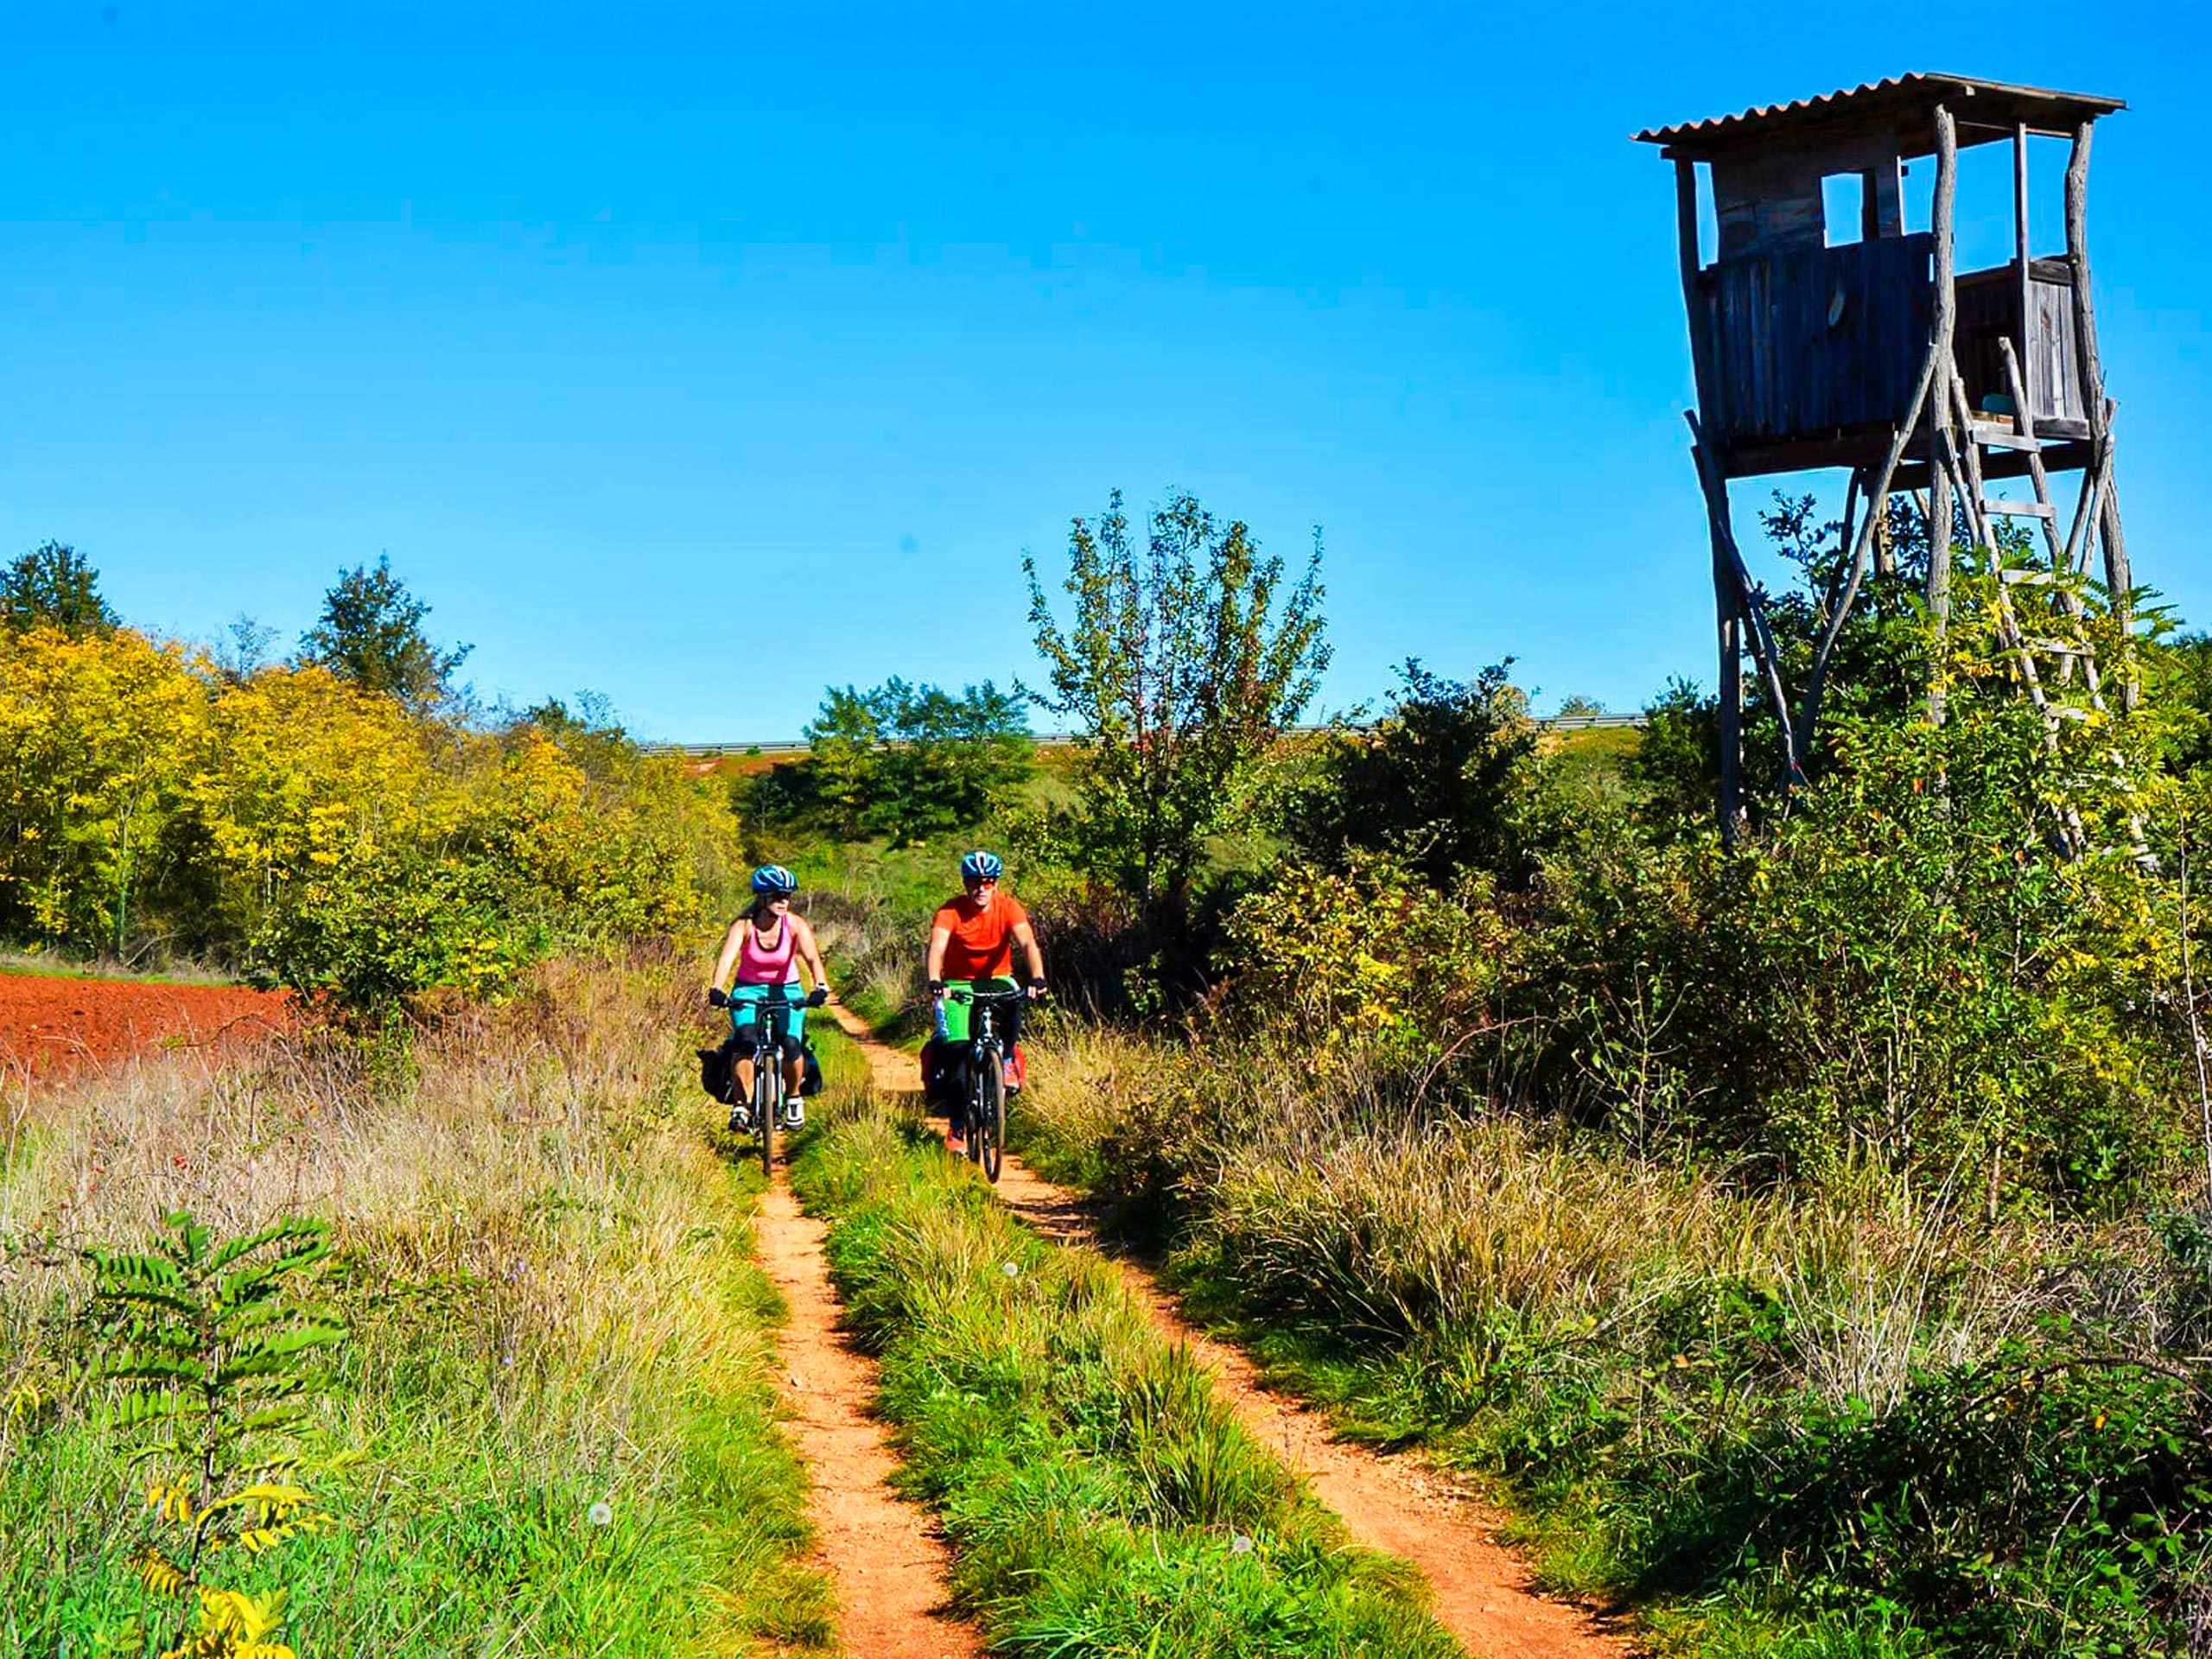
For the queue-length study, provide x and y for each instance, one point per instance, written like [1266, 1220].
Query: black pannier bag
[718, 1069]
[940, 1073]
[810, 1079]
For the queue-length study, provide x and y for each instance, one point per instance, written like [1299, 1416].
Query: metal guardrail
[1052, 739]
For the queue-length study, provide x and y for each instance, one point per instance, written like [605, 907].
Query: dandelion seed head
[1240, 1545]
[599, 1513]
[1009, 1269]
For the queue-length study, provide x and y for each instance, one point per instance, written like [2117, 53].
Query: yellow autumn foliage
[335, 839]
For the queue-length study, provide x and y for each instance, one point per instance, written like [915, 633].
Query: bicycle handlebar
[954, 994]
[775, 1001]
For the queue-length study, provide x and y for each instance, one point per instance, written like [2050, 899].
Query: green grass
[1594, 753]
[1100, 1496]
[554, 1305]
[1842, 1424]
[39, 964]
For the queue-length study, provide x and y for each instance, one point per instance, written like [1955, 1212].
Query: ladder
[2072, 652]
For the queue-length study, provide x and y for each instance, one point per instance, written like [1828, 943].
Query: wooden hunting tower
[1859, 345]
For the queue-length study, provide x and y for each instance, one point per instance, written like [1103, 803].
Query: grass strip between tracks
[1100, 1496]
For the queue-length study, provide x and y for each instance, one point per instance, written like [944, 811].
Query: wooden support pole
[1939, 423]
[1694, 296]
[2025, 281]
[1729, 700]
[2094, 478]
[1727, 609]
[1965, 469]
[1744, 595]
[1878, 492]
[2016, 378]
[2095, 404]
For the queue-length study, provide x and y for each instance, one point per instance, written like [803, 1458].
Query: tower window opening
[1843, 207]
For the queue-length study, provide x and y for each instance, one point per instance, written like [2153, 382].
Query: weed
[209, 1359]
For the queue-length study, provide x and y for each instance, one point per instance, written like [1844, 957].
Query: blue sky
[704, 356]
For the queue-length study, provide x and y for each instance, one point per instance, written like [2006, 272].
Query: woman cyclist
[765, 945]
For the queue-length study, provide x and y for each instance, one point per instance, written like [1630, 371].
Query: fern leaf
[123, 1269]
[190, 1247]
[173, 1499]
[160, 1575]
[136, 1365]
[173, 1301]
[299, 1228]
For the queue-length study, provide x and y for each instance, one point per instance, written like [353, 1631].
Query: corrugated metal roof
[2017, 102]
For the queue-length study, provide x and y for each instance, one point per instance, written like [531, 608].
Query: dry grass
[1356, 1213]
[544, 1260]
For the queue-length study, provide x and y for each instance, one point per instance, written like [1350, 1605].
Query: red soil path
[54, 1028]
[885, 1555]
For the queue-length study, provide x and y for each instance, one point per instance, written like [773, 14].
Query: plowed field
[57, 1027]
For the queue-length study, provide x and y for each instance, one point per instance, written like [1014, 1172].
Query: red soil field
[56, 1028]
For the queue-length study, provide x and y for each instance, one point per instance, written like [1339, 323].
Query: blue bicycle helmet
[982, 865]
[774, 881]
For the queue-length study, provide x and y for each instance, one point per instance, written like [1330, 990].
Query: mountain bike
[981, 1106]
[768, 1101]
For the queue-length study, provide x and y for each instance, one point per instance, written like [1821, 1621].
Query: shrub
[337, 840]
[212, 1359]
[1447, 781]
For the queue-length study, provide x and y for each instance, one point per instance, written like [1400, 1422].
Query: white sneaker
[795, 1115]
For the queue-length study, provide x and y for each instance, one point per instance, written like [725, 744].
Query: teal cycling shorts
[744, 1004]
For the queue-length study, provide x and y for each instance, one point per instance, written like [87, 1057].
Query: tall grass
[1762, 1405]
[1100, 1496]
[561, 1352]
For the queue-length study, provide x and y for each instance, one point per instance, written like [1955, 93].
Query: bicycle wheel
[989, 1141]
[767, 1104]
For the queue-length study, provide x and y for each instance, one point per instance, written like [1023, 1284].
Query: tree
[99, 737]
[912, 761]
[243, 652]
[53, 586]
[1446, 781]
[371, 635]
[1675, 766]
[1183, 663]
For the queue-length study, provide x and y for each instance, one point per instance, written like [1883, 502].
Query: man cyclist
[971, 947]
[765, 945]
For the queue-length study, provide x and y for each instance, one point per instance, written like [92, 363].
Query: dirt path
[1395, 1503]
[884, 1555]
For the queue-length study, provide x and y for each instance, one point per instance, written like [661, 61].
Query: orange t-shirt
[981, 945]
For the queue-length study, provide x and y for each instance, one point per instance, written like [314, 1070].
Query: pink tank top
[756, 966]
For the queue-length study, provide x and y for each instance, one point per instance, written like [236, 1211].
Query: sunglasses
[981, 880]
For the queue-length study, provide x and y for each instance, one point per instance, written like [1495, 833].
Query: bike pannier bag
[810, 1079]
[718, 1068]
